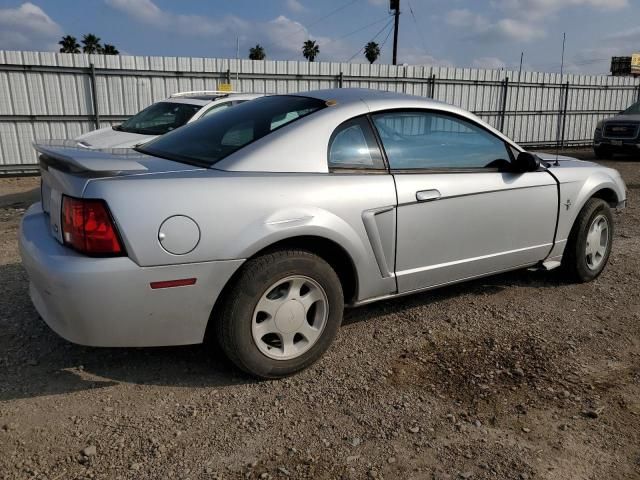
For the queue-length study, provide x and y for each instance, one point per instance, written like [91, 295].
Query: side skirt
[432, 287]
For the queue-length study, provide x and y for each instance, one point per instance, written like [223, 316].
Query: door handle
[427, 195]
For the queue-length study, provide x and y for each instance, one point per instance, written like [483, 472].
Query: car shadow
[34, 361]
[20, 199]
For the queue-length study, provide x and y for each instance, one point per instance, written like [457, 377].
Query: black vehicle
[619, 134]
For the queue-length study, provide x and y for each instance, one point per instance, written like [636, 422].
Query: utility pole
[395, 5]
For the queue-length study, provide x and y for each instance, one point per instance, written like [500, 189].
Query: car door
[461, 212]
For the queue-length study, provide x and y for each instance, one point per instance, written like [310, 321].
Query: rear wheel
[590, 241]
[281, 314]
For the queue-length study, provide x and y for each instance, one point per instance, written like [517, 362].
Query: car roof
[378, 98]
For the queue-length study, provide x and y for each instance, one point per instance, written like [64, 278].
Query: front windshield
[633, 109]
[212, 138]
[159, 118]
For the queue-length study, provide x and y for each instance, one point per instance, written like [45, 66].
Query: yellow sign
[635, 63]
[225, 87]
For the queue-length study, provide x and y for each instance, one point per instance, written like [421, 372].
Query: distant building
[626, 66]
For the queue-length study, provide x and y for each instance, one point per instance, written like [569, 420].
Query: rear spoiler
[67, 153]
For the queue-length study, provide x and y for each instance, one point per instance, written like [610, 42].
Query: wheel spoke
[309, 333]
[295, 285]
[310, 298]
[288, 347]
[263, 328]
[269, 306]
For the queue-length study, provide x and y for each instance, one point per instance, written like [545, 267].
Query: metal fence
[51, 95]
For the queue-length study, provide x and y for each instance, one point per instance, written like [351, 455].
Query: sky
[464, 33]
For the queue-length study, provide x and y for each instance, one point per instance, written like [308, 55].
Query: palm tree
[91, 43]
[372, 51]
[310, 50]
[109, 49]
[257, 53]
[69, 44]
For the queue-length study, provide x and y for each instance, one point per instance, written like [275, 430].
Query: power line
[331, 13]
[386, 38]
[374, 37]
[317, 20]
[415, 22]
[364, 28]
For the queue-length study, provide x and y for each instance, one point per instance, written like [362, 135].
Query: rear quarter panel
[241, 213]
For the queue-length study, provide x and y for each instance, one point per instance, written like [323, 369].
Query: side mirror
[526, 162]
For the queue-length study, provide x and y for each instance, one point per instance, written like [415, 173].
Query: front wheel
[281, 314]
[590, 241]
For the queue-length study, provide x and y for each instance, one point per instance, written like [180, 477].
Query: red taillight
[88, 228]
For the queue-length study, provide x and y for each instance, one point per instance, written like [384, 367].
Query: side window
[283, 119]
[430, 140]
[353, 146]
[238, 135]
[216, 108]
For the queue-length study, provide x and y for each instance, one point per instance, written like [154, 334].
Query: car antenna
[564, 39]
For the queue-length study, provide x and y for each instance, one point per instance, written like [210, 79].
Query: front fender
[575, 190]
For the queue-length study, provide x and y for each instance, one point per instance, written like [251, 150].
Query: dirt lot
[518, 376]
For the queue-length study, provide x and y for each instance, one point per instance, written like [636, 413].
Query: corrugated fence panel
[49, 95]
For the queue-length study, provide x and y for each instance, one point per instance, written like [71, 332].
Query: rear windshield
[633, 109]
[212, 138]
[159, 118]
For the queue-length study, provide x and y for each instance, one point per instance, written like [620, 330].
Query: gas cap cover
[179, 234]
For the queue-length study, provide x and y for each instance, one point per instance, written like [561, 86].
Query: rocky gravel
[517, 376]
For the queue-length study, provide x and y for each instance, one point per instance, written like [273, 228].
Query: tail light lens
[87, 227]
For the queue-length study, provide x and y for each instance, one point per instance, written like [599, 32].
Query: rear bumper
[108, 302]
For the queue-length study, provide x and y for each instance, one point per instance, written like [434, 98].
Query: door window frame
[508, 146]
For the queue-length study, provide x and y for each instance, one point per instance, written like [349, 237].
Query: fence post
[94, 95]
[639, 92]
[503, 108]
[564, 113]
[340, 80]
[228, 75]
[432, 85]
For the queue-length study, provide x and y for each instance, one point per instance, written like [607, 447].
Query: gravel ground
[517, 376]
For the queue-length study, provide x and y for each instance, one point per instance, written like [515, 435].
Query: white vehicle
[163, 117]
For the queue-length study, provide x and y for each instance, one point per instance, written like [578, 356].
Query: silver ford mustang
[254, 227]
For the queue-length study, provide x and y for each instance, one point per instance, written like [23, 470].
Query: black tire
[233, 323]
[603, 153]
[574, 260]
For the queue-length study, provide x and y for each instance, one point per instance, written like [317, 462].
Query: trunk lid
[66, 168]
